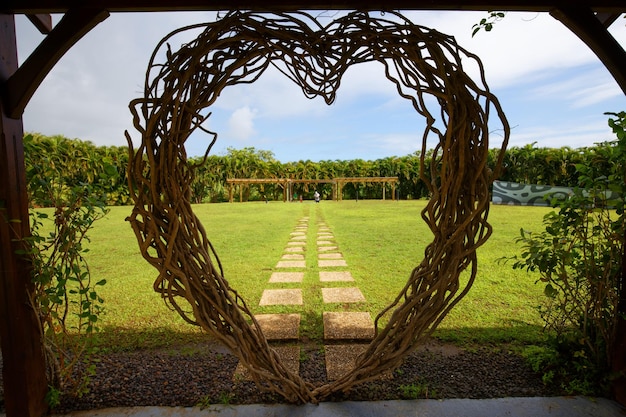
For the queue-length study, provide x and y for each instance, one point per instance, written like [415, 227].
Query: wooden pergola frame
[287, 183]
[25, 383]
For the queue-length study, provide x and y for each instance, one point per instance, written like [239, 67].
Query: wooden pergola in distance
[24, 366]
[287, 183]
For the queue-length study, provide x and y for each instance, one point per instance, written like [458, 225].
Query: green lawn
[381, 242]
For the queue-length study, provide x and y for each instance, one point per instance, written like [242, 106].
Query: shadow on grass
[115, 338]
[512, 332]
[118, 339]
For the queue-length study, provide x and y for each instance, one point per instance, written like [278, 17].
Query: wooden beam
[21, 86]
[43, 22]
[607, 19]
[62, 6]
[584, 23]
[25, 384]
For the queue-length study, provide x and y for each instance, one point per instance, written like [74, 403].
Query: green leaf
[550, 291]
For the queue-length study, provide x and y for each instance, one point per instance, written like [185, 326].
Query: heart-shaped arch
[237, 49]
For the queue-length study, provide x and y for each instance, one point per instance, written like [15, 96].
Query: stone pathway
[342, 329]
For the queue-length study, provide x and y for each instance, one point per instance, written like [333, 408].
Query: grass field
[381, 242]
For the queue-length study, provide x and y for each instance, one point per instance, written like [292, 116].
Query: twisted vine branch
[424, 65]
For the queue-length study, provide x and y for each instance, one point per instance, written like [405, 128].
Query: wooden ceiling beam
[584, 23]
[43, 22]
[62, 6]
[607, 19]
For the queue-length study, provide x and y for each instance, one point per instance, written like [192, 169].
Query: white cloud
[241, 124]
[575, 135]
[87, 94]
[520, 48]
[581, 90]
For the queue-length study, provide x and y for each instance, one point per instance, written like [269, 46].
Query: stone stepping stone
[330, 256]
[289, 356]
[280, 277]
[291, 264]
[298, 234]
[279, 326]
[322, 263]
[296, 243]
[342, 295]
[292, 256]
[325, 235]
[324, 243]
[340, 359]
[281, 297]
[295, 238]
[348, 326]
[294, 249]
[327, 248]
[335, 276]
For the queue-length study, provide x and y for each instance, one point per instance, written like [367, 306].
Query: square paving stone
[294, 249]
[296, 243]
[335, 255]
[281, 297]
[293, 256]
[322, 263]
[342, 295]
[340, 359]
[286, 277]
[289, 356]
[291, 264]
[348, 326]
[279, 326]
[335, 276]
[327, 248]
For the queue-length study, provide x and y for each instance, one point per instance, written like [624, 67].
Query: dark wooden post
[25, 384]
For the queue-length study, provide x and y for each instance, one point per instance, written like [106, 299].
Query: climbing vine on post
[64, 296]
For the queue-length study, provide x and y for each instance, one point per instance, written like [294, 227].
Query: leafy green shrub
[63, 296]
[579, 260]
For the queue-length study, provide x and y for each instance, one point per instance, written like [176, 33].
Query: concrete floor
[512, 407]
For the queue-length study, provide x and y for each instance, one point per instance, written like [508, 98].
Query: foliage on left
[73, 163]
[64, 297]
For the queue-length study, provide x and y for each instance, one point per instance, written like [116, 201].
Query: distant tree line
[72, 162]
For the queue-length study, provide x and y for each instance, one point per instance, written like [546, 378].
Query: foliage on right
[579, 260]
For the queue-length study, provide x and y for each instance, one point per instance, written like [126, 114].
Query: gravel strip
[202, 374]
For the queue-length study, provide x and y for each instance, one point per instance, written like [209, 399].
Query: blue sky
[554, 91]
